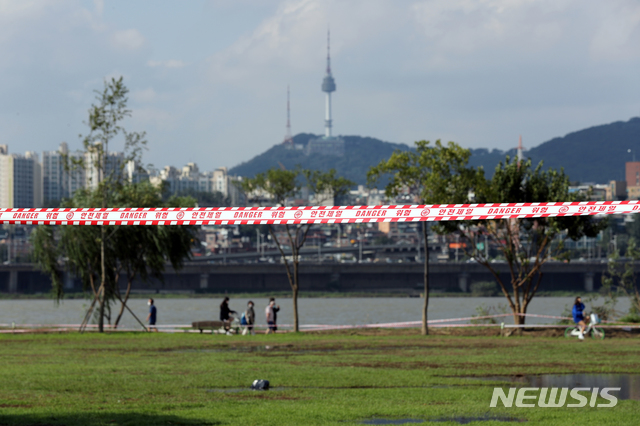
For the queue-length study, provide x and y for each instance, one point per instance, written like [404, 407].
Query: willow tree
[433, 174]
[99, 254]
[277, 187]
[139, 252]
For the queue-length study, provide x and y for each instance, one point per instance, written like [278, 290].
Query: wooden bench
[212, 325]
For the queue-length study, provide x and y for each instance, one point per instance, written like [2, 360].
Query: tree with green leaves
[99, 255]
[434, 174]
[105, 118]
[525, 244]
[143, 251]
[277, 187]
[133, 252]
[621, 275]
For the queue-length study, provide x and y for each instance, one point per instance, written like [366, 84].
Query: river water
[331, 311]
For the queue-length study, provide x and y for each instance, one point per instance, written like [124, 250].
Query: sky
[208, 79]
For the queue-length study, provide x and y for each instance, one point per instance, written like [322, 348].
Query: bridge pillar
[588, 282]
[13, 281]
[463, 282]
[67, 279]
[204, 280]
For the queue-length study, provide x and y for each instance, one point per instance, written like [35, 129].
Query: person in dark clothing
[275, 309]
[153, 312]
[578, 316]
[225, 314]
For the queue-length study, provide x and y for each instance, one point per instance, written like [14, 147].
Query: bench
[212, 325]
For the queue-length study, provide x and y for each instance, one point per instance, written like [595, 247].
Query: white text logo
[553, 397]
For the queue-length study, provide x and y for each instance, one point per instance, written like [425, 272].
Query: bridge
[406, 277]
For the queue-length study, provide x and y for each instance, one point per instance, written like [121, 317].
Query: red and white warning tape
[317, 214]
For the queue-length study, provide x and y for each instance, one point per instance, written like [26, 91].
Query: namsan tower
[328, 86]
[327, 144]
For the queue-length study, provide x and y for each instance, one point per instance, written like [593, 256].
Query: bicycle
[596, 332]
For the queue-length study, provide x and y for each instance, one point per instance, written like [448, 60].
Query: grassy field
[321, 379]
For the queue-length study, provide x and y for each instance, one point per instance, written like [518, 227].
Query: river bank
[279, 294]
[312, 310]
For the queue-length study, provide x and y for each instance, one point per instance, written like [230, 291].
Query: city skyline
[210, 77]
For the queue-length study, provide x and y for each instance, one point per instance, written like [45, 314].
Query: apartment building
[20, 180]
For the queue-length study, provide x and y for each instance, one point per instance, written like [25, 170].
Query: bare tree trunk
[131, 312]
[294, 280]
[87, 315]
[103, 282]
[295, 288]
[124, 301]
[425, 327]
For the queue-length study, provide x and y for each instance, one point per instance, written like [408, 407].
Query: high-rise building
[327, 145]
[632, 173]
[135, 173]
[61, 177]
[112, 167]
[20, 180]
[190, 179]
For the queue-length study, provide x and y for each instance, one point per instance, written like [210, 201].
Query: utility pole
[486, 247]
[258, 242]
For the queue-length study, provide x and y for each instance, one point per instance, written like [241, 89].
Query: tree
[278, 186]
[143, 251]
[434, 174]
[100, 254]
[203, 198]
[104, 123]
[621, 275]
[130, 251]
[526, 244]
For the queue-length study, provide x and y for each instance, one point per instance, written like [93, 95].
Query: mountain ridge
[595, 154]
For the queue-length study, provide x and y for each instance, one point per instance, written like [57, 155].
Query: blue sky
[208, 79]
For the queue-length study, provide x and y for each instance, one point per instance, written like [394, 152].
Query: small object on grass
[260, 385]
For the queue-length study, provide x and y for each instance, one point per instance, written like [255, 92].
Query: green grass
[320, 379]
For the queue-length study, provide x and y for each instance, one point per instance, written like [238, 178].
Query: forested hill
[360, 154]
[596, 154]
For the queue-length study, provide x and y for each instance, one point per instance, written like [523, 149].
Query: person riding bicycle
[578, 316]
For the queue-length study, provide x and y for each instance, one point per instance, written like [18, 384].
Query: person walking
[153, 315]
[225, 315]
[276, 308]
[249, 319]
[268, 312]
[271, 313]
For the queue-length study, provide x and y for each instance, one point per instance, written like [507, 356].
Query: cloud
[144, 96]
[128, 39]
[171, 63]
[617, 34]
[479, 72]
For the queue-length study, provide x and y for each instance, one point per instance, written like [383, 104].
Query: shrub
[631, 317]
[484, 289]
[483, 311]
